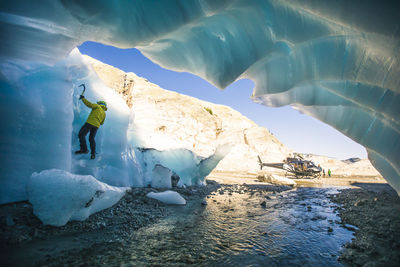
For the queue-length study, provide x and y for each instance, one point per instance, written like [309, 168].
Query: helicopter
[296, 165]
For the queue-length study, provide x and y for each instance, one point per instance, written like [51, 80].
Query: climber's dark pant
[82, 137]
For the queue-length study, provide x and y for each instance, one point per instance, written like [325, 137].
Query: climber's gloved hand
[81, 96]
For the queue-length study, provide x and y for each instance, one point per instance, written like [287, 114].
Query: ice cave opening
[339, 67]
[286, 123]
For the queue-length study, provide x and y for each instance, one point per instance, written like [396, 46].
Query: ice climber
[93, 122]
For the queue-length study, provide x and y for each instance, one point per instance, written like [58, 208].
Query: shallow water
[297, 227]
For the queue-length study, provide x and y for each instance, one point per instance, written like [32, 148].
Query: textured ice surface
[41, 117]
[191, 168]
[36, 125]
[112, 164]
[58, 196]
[335, 60]
[161, 177]
[168, 197]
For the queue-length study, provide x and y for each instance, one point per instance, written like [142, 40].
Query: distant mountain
[165, 119]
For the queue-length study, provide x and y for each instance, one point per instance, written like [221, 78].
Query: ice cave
[148, 200]
[338, 61]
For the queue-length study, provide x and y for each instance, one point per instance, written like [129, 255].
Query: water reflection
[297, 227]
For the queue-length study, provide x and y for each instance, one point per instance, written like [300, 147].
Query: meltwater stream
[297, 227]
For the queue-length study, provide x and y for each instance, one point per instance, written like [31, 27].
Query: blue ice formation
[58, 196]
[168, 197]
[337, 61]
[190, 167]
[41, 117]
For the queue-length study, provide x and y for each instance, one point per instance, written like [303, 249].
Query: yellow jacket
[97, 115]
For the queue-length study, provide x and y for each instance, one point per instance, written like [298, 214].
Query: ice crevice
[337, 61]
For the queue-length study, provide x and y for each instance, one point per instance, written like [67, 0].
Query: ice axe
[84, 88]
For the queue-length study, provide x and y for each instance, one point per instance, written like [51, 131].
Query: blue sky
[297, 131]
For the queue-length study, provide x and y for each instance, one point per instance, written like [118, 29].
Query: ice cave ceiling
[337, 61]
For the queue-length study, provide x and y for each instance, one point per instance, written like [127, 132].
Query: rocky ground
[24, 240]
[369, 203]
[372, 211]
[21, 233]
[325, 181]
[375, 211]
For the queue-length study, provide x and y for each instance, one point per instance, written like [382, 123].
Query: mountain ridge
[166, 119]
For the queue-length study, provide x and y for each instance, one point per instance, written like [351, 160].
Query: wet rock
[374, 217]
[9, 220]
[120, 222]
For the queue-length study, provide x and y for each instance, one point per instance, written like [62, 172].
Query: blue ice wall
[112, 164]
[41, 116]
[34, 110]
[335, 60]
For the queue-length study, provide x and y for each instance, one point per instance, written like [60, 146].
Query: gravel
[373, 212]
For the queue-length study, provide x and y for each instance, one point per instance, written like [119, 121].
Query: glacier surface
[337, 61]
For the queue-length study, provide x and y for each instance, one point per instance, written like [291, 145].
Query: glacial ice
[42, 115]
[190, 167]
[161, 177]
[168, 197]
[337, 61]
[58, 196]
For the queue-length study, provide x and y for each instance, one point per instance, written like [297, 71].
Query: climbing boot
[81, 152]
[93, 156]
